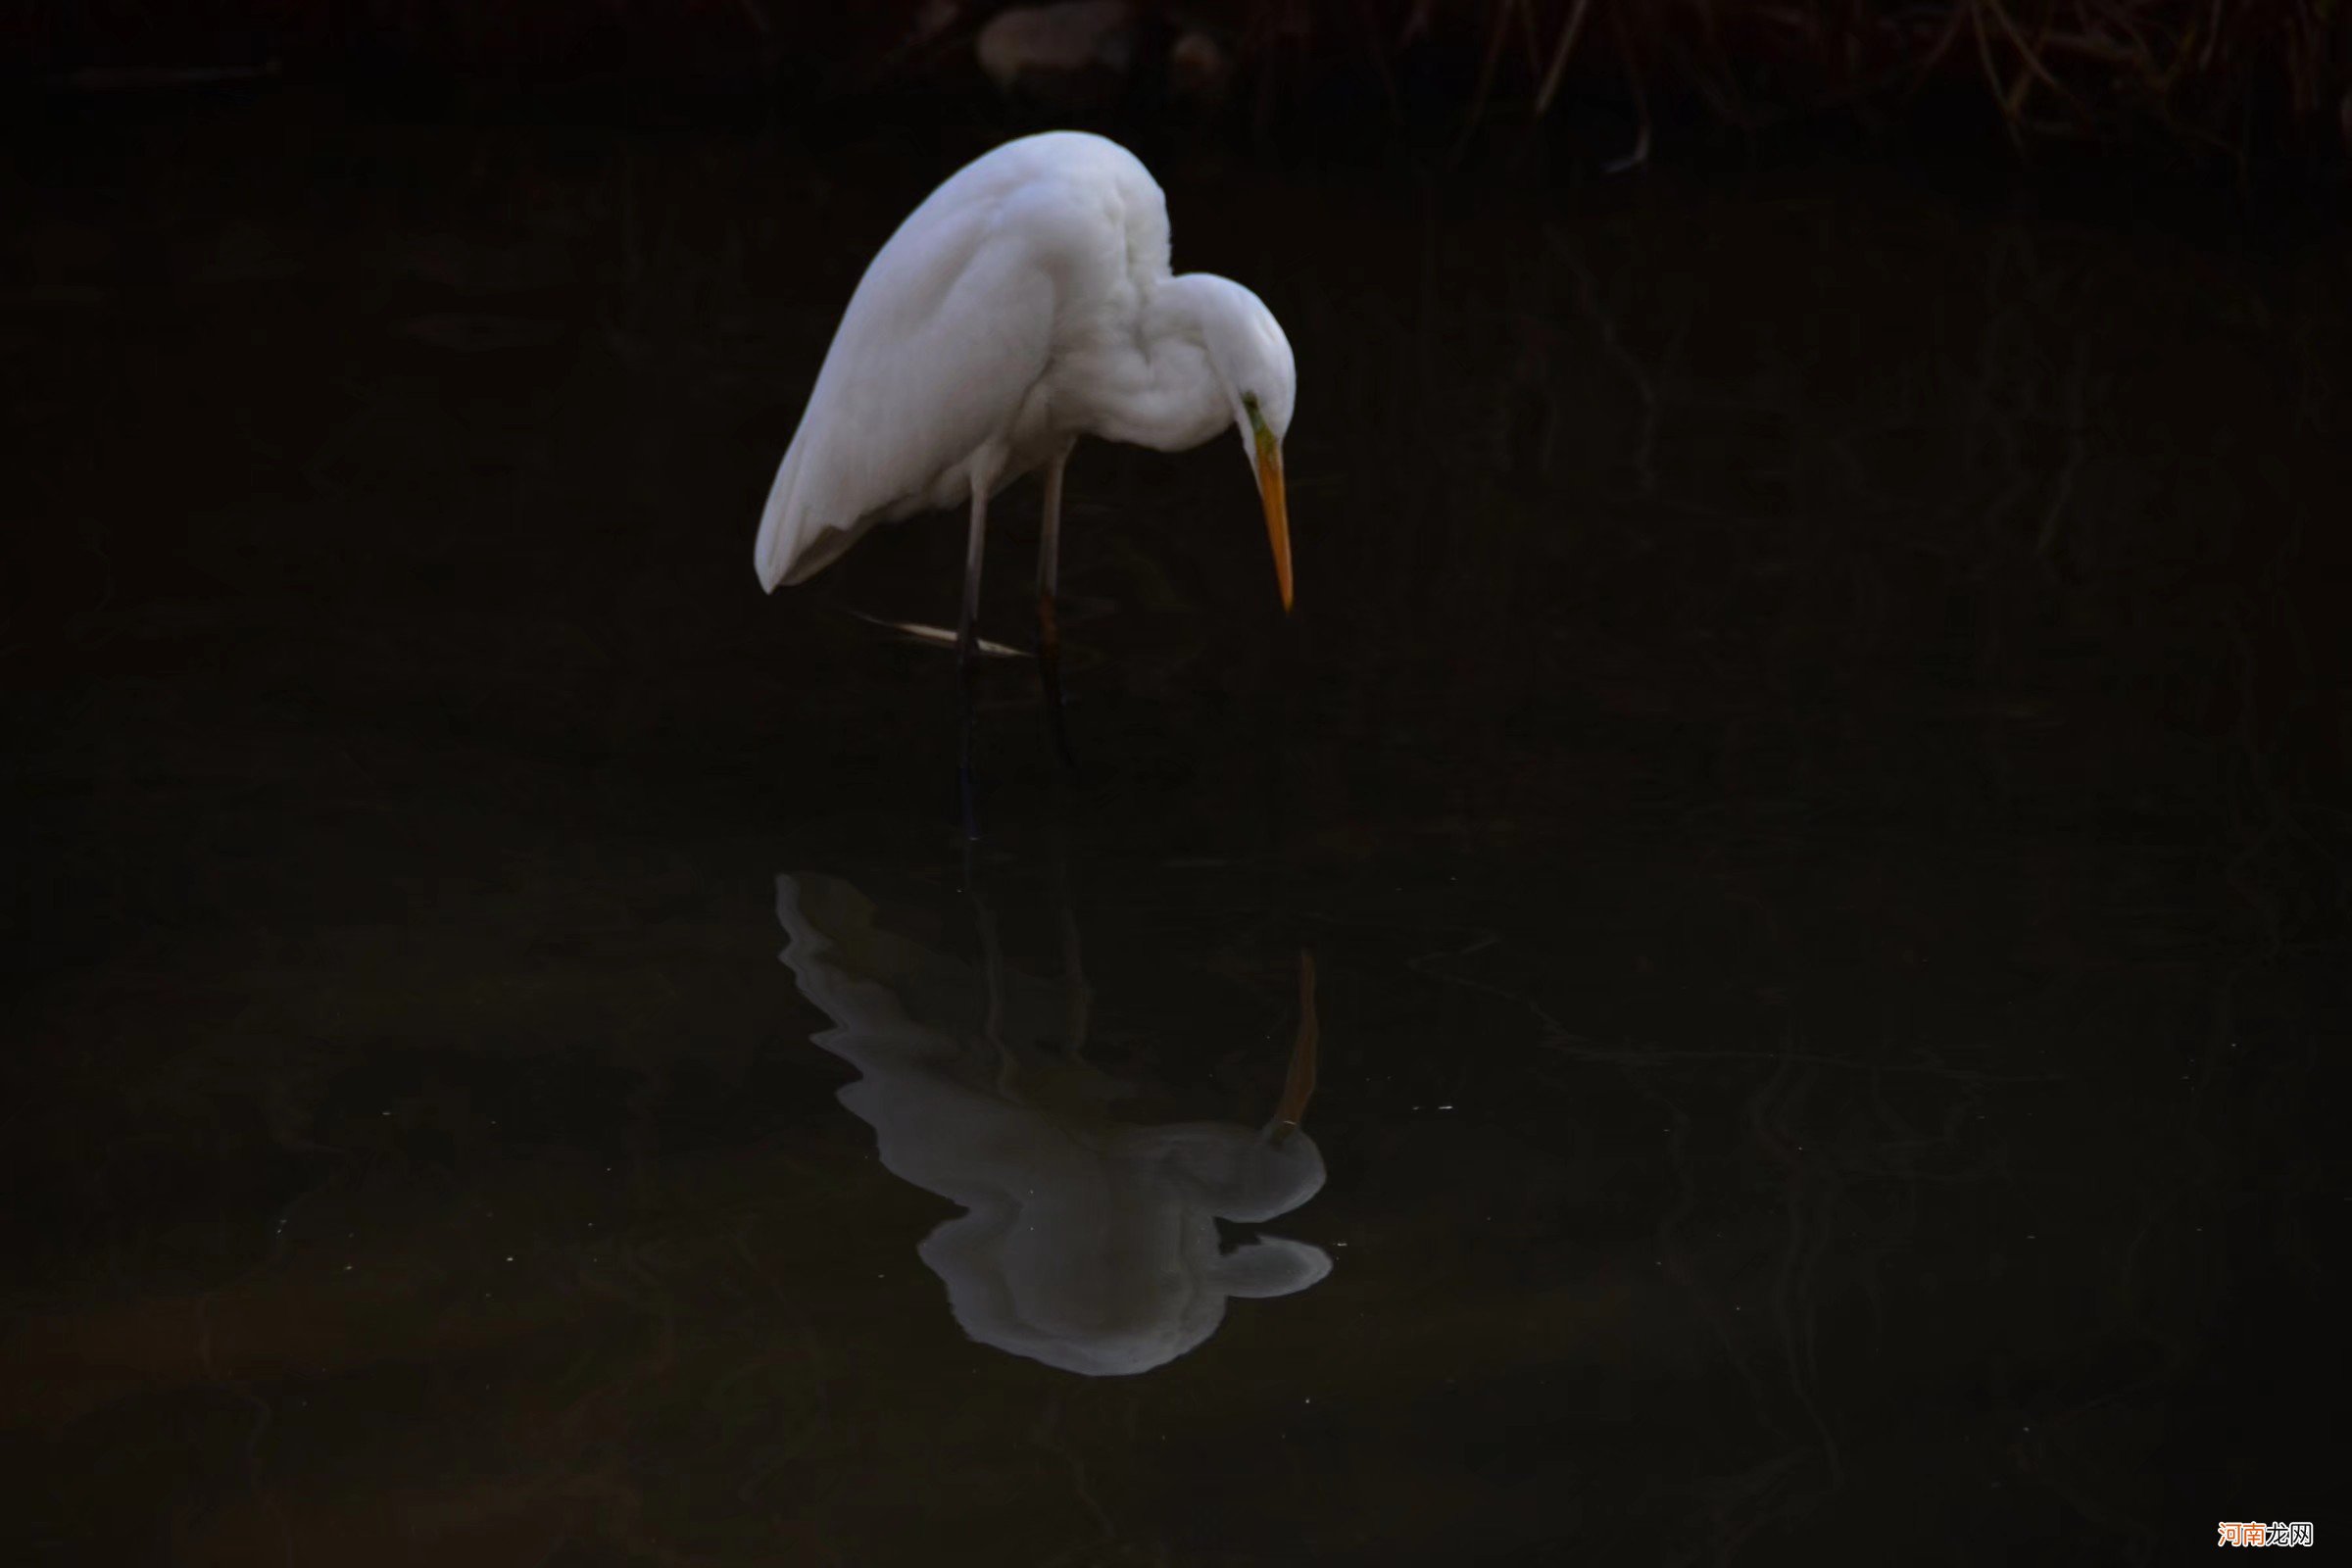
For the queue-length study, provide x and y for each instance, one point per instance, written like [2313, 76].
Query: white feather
[1025, 303]
[939, 368]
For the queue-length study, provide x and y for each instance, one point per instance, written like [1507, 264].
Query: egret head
[1252, 362]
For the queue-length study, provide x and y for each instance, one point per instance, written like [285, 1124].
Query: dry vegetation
[2235, 78]
[2214, 75]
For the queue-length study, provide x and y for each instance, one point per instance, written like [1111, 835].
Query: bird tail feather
[795, 544]
[779, 537]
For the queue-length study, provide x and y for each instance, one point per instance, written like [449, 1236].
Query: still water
[1790, 828]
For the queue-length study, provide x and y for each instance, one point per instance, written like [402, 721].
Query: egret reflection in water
[1086, 1243]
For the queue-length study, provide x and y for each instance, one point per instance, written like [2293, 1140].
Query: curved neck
[1158, 388]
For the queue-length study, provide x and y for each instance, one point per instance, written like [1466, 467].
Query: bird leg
[1049, 551]
[1048, 582]
[968, 651]
[967, 624]
[967, 784]
[1299, 1085]
[992, 1024]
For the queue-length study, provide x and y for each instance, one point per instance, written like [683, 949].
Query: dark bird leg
[967, 624]
[1005, 1065]
[967, 785]
[1298, 1084]
[968, 653]
[1049, 584]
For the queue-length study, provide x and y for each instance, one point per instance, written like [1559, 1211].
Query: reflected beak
[1278, 511]
[1300, 1087]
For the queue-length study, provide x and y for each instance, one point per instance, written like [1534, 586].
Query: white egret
[1027, 302]
[1087, 1241]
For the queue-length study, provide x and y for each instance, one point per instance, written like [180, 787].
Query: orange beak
[1278, 511]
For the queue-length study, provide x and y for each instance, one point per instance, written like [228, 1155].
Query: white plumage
[1088, 1242]
[1027, 302]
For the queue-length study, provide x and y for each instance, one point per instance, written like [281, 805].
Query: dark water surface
[1809, 767]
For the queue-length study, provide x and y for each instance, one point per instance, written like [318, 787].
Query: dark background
[1811, 759]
